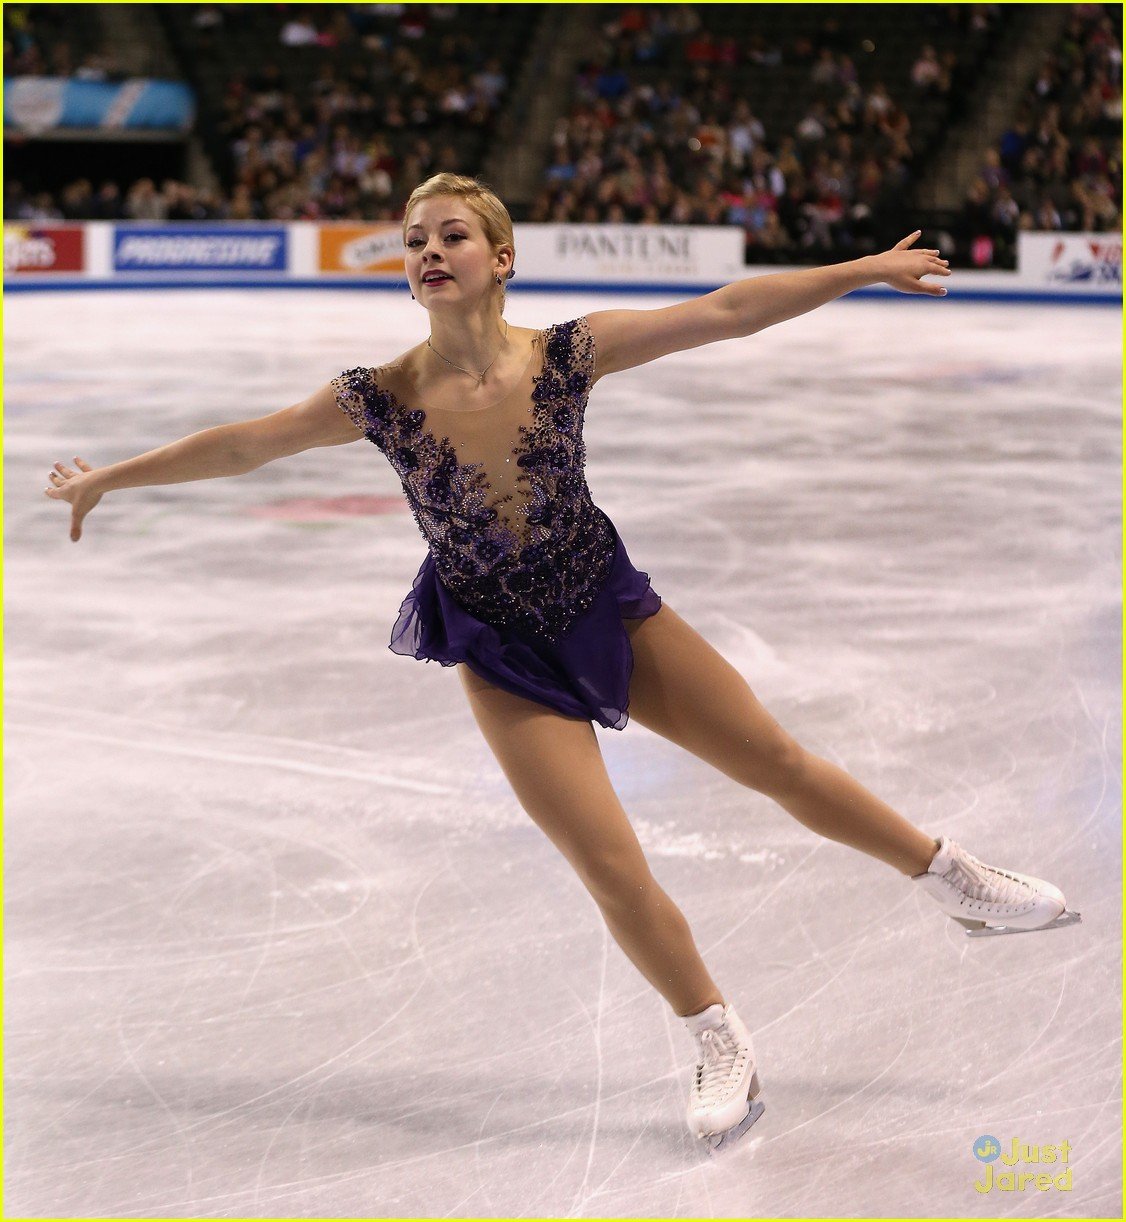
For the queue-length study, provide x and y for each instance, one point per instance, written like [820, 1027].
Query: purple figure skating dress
[526, 580]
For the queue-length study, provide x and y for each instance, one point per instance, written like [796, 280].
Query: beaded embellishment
[534, 575]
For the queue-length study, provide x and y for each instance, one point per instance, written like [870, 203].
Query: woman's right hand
[79, 488]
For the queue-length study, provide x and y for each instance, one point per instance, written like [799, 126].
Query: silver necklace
[479, 376]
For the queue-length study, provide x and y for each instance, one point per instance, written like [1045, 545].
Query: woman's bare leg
[684, 690]
[555, 766]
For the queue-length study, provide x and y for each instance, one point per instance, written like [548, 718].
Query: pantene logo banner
[630, 254]
[1022, 1166]
[356, 249]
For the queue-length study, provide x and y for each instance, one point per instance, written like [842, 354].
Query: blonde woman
[529, 591]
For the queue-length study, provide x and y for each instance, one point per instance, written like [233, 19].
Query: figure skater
[528, 590]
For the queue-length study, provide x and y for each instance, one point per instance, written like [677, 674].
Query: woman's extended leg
[555, 766]
[687, 692]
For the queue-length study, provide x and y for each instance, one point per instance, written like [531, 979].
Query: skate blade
[979, 929]
[718, 1143]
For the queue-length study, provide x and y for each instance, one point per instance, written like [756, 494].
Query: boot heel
[756, 1087]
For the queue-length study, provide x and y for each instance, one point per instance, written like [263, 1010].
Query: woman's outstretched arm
[625, 338]
[228, 449]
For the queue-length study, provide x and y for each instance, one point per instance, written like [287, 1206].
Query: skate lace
[987, 883]
[718, 1050]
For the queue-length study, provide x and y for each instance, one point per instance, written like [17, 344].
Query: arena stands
[806, 125]
[800, 127]
[340, 110]
[57, 40]
[1059, 166]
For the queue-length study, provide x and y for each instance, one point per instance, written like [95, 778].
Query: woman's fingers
[65, 485]
[903, 243]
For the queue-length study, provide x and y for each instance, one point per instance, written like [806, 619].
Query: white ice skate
[988, 901]
[722, 1104]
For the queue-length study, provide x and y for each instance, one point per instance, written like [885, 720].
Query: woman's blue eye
[448, 235]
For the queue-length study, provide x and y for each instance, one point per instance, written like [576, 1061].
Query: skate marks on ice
[285, 945]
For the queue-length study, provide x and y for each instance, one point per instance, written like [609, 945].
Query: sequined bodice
[501, 495]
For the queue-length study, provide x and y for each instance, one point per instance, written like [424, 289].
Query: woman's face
[445, 235]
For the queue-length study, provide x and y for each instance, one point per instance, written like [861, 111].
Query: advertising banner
[355, 250]
[39, 255]
[553, 254]
[1071, 262]
[198, 248]
[35, 104]
[38, 249]
[631, 254]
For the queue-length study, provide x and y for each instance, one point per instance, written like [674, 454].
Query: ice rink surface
[280, 940]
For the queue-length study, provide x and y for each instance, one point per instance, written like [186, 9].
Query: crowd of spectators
[1059, 166]
[689, 149]
[143, 201]
[336, 154]
[350, 141]
[332, 149]
[33, 47]
[679, 145]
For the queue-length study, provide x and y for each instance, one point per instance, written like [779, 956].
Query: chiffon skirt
[585, 673]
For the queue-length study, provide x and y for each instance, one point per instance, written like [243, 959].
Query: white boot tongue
[942, 858]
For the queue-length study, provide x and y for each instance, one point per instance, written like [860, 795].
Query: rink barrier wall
[680, 260]
[675, 290]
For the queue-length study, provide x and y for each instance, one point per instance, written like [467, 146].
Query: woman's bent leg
[684, 690]
[555, 767]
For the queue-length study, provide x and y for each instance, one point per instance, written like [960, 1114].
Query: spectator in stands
[1005, 211]
[489, 84]
[1014, 142]
[976, 210]
[145, 203]
[299, 31]
[926, 70]
[77, 199]
[993, 172]
[824, 71]
[814, 125]
[107, 205]
[1045, 217]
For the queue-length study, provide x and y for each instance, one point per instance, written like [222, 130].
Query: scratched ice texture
[280, 941]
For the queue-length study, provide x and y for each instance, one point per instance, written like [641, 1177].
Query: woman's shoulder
[373, 376]
[399, 366]
[572, 342]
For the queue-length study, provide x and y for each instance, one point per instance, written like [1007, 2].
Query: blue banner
[177, 247]
[43, 103]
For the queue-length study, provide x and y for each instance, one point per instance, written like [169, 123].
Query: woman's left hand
[904, 269]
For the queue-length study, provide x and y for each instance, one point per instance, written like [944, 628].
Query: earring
[498, 280]
[412, 297]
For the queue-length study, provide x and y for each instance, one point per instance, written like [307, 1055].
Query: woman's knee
[774, 763]
[617, 880]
